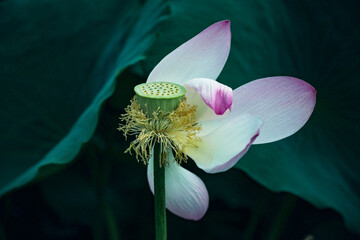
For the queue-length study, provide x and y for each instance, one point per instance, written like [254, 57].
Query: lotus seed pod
[155, 95]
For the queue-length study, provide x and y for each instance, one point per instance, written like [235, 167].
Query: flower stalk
[150, 116]
[159, 194]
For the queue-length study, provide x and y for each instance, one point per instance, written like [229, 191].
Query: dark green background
[67, 70]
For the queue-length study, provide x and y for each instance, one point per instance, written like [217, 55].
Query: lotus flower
[261, 111]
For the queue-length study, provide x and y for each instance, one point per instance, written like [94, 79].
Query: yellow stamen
[177, 130]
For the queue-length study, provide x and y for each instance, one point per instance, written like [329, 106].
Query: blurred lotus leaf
[58, 64]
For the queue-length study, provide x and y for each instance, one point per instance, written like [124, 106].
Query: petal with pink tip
[186, 194]
[203, 111]
[202, 56]
[222, 147]
[217, 96]
[283, 103]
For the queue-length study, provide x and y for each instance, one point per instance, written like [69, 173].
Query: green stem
[110, 220]
[256, 215]
[100, 174]
[159, 195]
[282, 217]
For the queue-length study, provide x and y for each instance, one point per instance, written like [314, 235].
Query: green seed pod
[155, 95]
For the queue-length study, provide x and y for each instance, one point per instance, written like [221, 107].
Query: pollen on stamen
[177, 130]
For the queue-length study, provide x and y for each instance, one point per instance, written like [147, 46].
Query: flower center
[159, 113]
[161, 90]
[164, 95]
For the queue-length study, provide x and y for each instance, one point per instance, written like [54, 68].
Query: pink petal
[202, 56]
[283, 103]
[186, 194]
[228, 140]
[217, 96]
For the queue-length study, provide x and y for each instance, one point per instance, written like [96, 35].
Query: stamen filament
[176, 130]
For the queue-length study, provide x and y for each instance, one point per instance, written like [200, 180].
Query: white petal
[186, 194]
[202, 56]
[226, 143]
[215, 95]
[283, 103]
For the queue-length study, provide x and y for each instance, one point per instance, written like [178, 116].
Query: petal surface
[202, 56]
[186, 194]
[229, 139]
[215, 95]
[283, 103]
